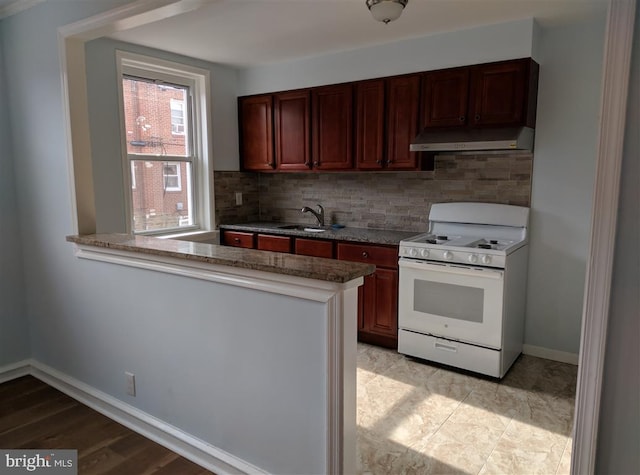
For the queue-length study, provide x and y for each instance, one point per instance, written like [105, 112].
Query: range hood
[474, 139]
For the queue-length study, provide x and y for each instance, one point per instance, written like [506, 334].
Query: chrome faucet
[318, 214]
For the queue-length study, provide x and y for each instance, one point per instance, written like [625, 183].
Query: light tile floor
[418, 418]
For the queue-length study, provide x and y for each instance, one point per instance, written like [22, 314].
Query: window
[177, 117]
[163, 111]
[171, 178]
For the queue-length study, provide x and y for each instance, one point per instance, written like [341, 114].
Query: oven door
[451, 301]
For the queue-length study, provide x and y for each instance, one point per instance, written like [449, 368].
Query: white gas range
[462, 287]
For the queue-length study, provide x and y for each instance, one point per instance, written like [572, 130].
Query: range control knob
[486, 259]
[413, 252]
[473, 258]
[424, 253]
[448, 255]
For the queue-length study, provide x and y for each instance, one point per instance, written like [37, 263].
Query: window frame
[197, 113]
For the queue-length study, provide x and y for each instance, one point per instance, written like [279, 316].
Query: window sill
[209, 237]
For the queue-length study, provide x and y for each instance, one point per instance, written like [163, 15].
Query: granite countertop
[329, 270]
[366, 235]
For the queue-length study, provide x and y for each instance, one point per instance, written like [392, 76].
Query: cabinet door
[267, 242]
[370, 124]
[237, 239]
[402, 120]
[369, 254]
[332, 127]
[314, 248]
[378, 296]
[291, 116]
[445, 98]
[380, 305]
[498, 92]
[256, 132]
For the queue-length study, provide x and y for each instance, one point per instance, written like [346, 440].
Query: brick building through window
[159, 149]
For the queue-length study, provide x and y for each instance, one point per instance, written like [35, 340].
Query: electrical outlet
[131, 383]
[238, 199]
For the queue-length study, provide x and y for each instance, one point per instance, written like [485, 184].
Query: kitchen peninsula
[292, 321]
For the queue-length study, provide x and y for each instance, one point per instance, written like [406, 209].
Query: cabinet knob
[462, 118]
[379, 162]
[236, 239]
[477, 117]
[316, 164]
[365, 254]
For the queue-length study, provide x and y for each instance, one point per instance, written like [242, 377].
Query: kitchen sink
[298, 227]
[302, 227]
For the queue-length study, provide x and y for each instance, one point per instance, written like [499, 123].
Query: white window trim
[200, 82]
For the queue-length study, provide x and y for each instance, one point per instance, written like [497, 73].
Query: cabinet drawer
[237, 239]
[274, 243]
[314, 248]
[377, 255]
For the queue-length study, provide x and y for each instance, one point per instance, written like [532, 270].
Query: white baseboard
[182, 443]
[15, 370]
[549, 354]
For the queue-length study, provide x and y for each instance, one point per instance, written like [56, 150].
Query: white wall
[477, 45]
[105, 123]
[33, 93]
[210, 359]
[14, 339]
[619, 429]
[570, 58]
[194, 346]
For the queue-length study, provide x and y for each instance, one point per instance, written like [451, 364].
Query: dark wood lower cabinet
[237, 239]
[266, 242]
[378, 309]
[314, 248]
[377, 297]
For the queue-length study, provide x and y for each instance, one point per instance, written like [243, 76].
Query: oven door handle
[450, 269]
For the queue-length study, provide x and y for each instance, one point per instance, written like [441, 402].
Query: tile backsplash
[226, 185]
[390, 200]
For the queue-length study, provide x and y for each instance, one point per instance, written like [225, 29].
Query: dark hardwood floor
[34, 415]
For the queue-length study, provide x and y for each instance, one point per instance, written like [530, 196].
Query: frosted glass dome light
[386, 10]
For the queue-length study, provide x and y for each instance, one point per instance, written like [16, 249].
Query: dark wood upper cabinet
[403, 95]
[504, 93]
[370, 119]
[493, 94]
[331, 126]
[256, 132]
[445, 98]
[291, 117]
[369, 125]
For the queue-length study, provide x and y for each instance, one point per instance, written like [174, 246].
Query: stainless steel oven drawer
[453, 353]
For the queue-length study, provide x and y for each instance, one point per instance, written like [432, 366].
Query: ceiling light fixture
[386, 10]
